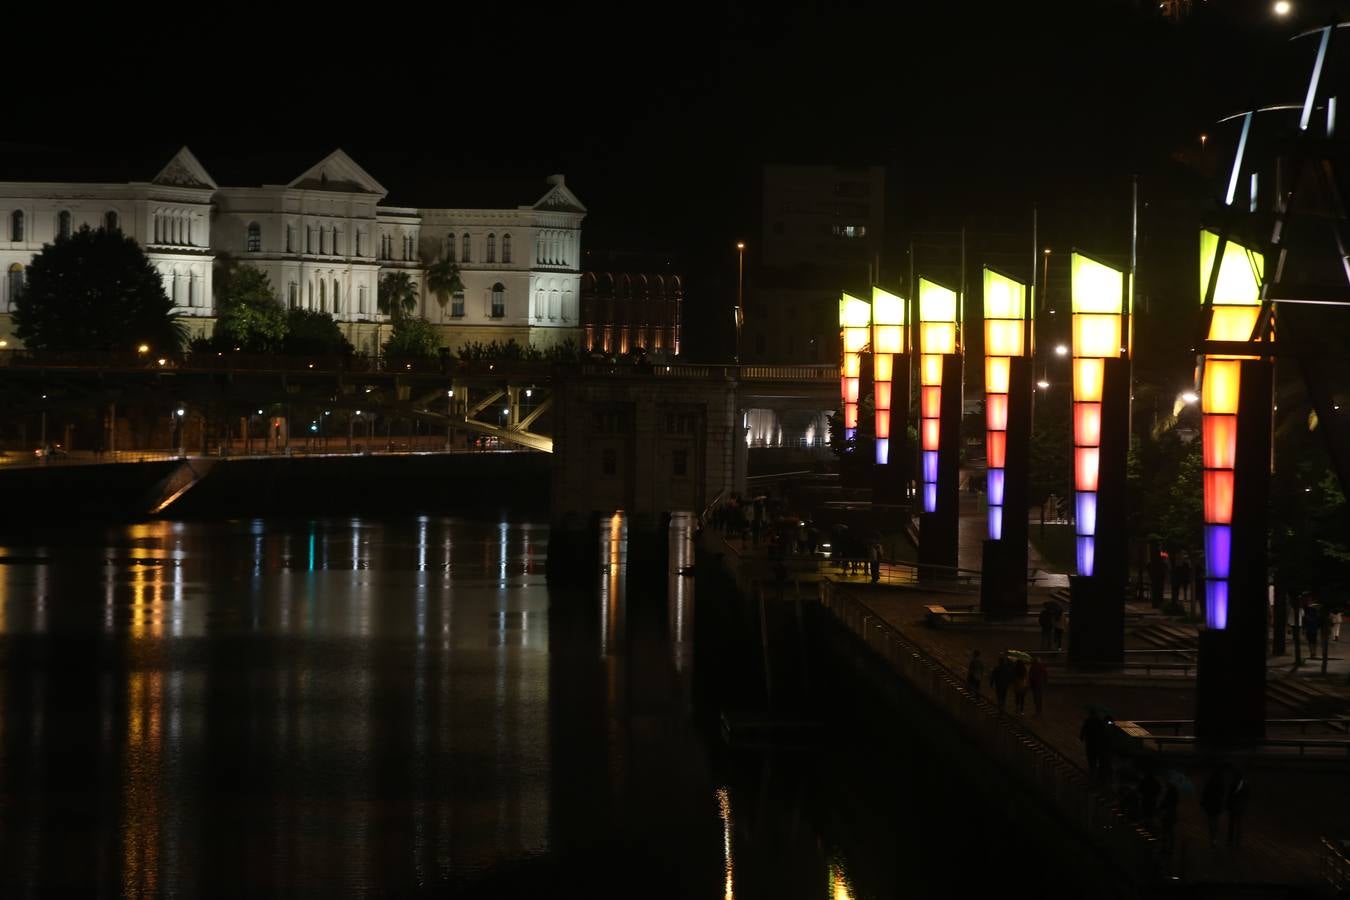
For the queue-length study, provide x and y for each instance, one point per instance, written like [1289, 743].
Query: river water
[390, 707]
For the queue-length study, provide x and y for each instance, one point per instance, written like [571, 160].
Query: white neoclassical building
[324, 239]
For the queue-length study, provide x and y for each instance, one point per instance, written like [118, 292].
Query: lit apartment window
[498, 300]
[457, 305]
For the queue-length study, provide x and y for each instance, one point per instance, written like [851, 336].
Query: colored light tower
[1101, 413]
[1235, 405]
[1007, 385]
[889, 382]
[855, 317]
[939, 425]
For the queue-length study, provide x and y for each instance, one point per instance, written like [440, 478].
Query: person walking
[1001, 678]
[1336, 625]
[874, 558]
[1212, 801]
[1185, 576]
[1311, 620]
[1061, 628]
[1238, 793]
[975, 672]
[1047, 622]
[1093, 736]
[1157, 571]
[1021, 681]
[1038, 676]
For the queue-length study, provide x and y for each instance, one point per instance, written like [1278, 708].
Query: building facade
[324, 239]
[631, 302]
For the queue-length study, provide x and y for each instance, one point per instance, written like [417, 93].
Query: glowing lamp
[888, 339]
[1086, 546]
[931, 432]
[1088, 377]
[996, 449]
[938, 336]
[1085, 504]
[995, 523]
[1005, 336]
[995, 486]
[1218, 550]
[1219, 393]
[1219, 441]
[1087, 424]
[855, 319]
[1085, 464]
[1218, 496]
[996, 371]
[996, 412]
[930, 401]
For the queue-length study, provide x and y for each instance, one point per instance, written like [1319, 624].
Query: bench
[936, 614]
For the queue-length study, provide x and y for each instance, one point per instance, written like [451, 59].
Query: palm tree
[397, 296]
[443, 280]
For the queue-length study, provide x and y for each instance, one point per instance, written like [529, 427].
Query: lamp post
[740, 295]
[179, 413]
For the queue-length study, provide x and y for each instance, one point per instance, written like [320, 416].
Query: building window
[63, 224]
[457, 304]
[110, 222]
[290, 238]
[849, 231]
[609, 461]
[506, 248]
[16, 225]
[450, 248]
[361, 300]
[359, 242]
[337, 247]
[337, 297]
[292, 294]
[323, 296]
[679, 463]
[491, 254]
[15, 279]
[465, 256]
[254, 238]
[498, 300]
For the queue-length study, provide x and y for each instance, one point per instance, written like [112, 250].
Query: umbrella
[1183, 784]
[1018, 654]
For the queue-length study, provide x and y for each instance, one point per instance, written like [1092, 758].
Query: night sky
[661, 115]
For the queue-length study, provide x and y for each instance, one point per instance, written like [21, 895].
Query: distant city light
[260, 412]
[143, 348]
[181, 412]
[162, 360]
[1042, 384]
[450, 393]
[1061, 350]
[1282, 8]
[1189, 397]
[529, 392]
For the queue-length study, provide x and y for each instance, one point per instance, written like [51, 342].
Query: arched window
[498, 300]
[63, 223]
[16, 226]
[491, 254]
[15, 280]
[466, 255]
[254, 238]
[457, 305]
[292, 295]
[450, 247]
[361, 300]
[110, 222]
[506, 248]
[337, 247]
[323, 239]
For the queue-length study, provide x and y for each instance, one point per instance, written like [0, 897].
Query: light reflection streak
[613, 558]
[840, 887]
[724, 810]
[680, 588]
[141, 785]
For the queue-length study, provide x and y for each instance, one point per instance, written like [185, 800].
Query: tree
[412, 338]
[397, 296]
[250, 318]
[314, 333]
[443, 280]
[96, 291]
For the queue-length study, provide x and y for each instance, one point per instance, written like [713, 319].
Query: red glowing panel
[850, 415]
[1220, 441]
[881, 392]
[996, 412]
[996, 449]
[930, 405]
[883, 423]
[1087, 424]
[930, 434]
[1085, 462]
[1218, 496]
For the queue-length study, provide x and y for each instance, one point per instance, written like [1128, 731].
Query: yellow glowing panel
[931, 431]
[1003, 337]
[1087, 379]
[1003, 296]
[1219, 393]
[1233, 323]
[883, 427]
[1096, 335]
[850, 390]
[883, 367]
[937, 337]
[1096, 288]
[996, 412]
[930, 402]
[854, 339]
[996, 375]
[854, 313]
[881, 393]
[888, 339]
[887, 308]
[1239, 275]
[930, 370]
[936, 303]
[852, 365]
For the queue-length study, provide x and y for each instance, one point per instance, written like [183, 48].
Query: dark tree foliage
[314, 333]
[96, 291]
[412, 338]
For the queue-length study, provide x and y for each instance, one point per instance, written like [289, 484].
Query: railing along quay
[1043, 768]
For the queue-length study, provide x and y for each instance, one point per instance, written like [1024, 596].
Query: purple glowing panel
[995, 488]
[1086, 551]
[930, 466]
[850, 433]
[1087, 512]
[995, 523]
[1218, 550]
[1216, 603]
[930, 498]
[883, 451]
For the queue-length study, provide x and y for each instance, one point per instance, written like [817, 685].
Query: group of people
[1316, 620]
[1054, 622]
[1017, 674]
[1175, 570]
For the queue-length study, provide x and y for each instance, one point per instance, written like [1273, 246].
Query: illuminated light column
[1101, 396]
[1007, 386]
[855, 316]
[1235, 406]
[888, 341]
[939, 422]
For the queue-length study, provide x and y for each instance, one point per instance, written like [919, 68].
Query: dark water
[390, 707]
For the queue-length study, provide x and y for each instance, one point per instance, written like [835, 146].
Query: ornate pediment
[339, 172]
[559, 198]
[185, 171]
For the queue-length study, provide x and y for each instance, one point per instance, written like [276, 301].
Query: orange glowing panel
[1233, 323]
[996, 412]
[930, 433]
[930, 370]
[996, 375]
[1219, 496]
[850, 415]
[1220, 391]
[1088, 375]
[930, 403]
[850, 390]
[881, 391]
[1096, 335]
[996, 449]
[1219, 441]
[1087, 424]
[883, 423]
[1086, 460]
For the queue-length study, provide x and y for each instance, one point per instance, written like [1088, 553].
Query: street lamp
[1061, 350]
[1282, 8]
[180, 412]
[740, 295]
